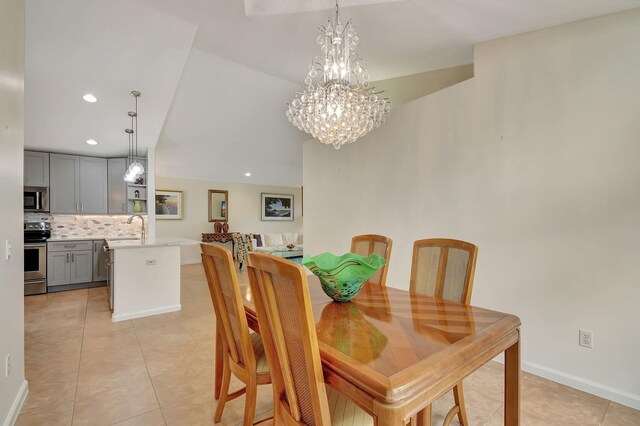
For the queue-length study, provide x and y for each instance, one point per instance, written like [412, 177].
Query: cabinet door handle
[67, 257]
[81, 207]
[73, 257]
[77, 207]
[69, 245]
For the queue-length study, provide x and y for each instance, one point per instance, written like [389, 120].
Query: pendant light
[135, 168]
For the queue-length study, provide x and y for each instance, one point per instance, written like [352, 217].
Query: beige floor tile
[198, 409]
[160, 362]
[113, 340]
[559, 404]
[489, 380]
[53, 415]
[526, 419]
[479, 407]
[182, 382]
[619, 415]
[152, 418]
[44, 394]
[103, 325]
[103, 370]
[116, 405]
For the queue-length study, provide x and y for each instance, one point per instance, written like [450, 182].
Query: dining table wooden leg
[218, 365]
[512, 385]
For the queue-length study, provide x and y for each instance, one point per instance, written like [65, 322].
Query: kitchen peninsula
[144, 276]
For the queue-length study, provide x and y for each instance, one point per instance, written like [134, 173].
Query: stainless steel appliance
[36, 199]
[35, 256]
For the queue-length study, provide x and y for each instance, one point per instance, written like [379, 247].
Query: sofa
[267, 243]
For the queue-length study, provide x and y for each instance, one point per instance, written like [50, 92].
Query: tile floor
[85, 370]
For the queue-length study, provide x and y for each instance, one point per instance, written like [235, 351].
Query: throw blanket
[243, 246]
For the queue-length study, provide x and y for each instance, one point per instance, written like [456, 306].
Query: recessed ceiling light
[248, 174]
[92, 142]
[89, 98]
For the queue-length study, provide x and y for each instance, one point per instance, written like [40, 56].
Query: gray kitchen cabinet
[36, 168]
[99, 261]
[58, 268]
[93, 185]
[78, 184]
[64, 193]
[69, 262]
[81, 267]
[116, 185]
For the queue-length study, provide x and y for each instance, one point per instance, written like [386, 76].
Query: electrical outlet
[151, 262]
[7, 365]
[585, 339]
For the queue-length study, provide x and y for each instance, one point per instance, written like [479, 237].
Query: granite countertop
[114, 244]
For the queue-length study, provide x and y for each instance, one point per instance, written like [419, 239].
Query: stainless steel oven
[35, 256]
[36, 199]
[35, 261]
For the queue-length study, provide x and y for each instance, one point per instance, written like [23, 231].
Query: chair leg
[458, 395]
[250, 403]
[424, 416]
[224, 390]
[219, 363]
[240, 265]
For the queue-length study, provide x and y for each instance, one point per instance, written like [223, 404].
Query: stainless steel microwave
[36, 199]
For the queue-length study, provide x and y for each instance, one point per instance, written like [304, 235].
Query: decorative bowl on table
[291, 246]
[342, 277]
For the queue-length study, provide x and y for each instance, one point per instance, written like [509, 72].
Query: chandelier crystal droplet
[338, 106]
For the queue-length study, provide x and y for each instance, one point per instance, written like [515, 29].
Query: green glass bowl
[342, 277]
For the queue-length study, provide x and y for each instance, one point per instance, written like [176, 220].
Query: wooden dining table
[395, 352]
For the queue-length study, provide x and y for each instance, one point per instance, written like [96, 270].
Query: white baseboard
[16, 406]
[147, 313]
[598, 389]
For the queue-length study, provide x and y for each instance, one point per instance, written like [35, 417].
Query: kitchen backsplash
[64, 226]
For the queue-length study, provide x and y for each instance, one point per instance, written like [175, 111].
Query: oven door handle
[34, 245]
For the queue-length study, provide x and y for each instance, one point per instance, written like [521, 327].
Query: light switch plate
[7, 250]
[151, 262]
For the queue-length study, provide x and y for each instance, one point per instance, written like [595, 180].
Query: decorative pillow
[258, 238]
[300, 241]
[289, 238]
[273, 240]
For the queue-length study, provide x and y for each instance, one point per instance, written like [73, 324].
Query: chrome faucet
[143, 234]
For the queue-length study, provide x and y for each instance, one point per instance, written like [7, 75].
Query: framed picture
[168, 204]
[277, 207]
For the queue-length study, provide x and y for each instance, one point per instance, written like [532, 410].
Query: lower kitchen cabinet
[75, 262]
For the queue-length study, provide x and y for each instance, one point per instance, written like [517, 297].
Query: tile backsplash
[65, 226]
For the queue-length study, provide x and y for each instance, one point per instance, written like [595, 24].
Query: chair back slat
[227, 302]
[281, 296]
[443, 268]
[367, 244]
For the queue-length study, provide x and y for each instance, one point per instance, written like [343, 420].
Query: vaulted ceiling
[222, 113]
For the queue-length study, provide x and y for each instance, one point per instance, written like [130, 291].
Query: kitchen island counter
[144, 277]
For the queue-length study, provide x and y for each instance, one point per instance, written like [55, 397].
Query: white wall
[13, 388]
[244, 211]
[536, 161]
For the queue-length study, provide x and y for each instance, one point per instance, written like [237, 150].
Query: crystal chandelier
[338, 105]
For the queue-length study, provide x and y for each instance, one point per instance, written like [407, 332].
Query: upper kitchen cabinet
[36, 168]
[116, 186]
[93, 185]
[64, 194]
[78, 184]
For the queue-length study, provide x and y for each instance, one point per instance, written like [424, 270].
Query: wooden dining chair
[368, 244]
[243, 352]
[444, 268]
[281, 296]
